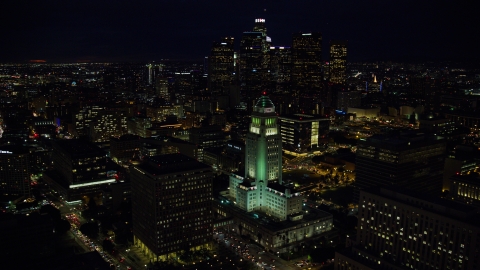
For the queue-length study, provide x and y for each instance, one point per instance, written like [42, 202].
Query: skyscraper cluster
[297, 70]
[146, 145]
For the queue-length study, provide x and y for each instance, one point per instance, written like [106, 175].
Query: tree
[92, 207]
[336, 179]
[107, 245]
[187, 255]
[90, 229]
[62, 226]
[52, 211]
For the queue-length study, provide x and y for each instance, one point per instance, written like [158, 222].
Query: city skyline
[151, 31]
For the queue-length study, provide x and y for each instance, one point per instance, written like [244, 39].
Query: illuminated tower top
[264, 105]
[260, 26]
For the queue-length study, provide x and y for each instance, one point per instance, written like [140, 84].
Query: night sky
[118, 30]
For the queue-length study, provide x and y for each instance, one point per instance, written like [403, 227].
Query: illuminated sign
[5, 152]
[234, 146]
[108, 181]
[259, 20]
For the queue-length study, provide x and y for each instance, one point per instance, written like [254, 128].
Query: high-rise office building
[82, 119]
[14, 173]
[410, 160]
[161, 85]
[348, 99]
[159, 112]
[172, 197]
[253, 62]
[280, 66]
[307, 67]
[260, 26]
[207, 137]
[221, 67]
[302, 133]
[153, 71]
[79, 169]
[399, 229]
[109, 122]
[338, 61]
[125, 148]
[138, 125]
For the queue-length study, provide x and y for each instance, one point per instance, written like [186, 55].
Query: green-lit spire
[264, 104]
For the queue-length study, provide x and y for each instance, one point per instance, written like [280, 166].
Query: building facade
[410, 160]
[465, 189]
[172, 197]
[221, 66]
[125, 147]
[307, 67]
[280, 66]
[348, 99]
[338, 61]
[399, 229]
[79, 169]
[14, 173]
[253, 62]
[302, 133]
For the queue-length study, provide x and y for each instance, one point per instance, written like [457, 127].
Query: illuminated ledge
[108, 181]
[74, 202]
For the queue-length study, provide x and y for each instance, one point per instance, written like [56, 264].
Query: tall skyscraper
[14, 173]
[280, 66]
[348, 99]
[253, 68]
[410, 160]
[338, 61]
[260, 26]
[262, 188]
[172, 196]
[161, 85]
[264, 144]
[221, 67]
[153, 71]
[399, 230]
[283, 222]
[307, 68]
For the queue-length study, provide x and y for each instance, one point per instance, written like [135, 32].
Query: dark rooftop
[429, 203]
[168, 139]
[79, 148]
[215, 150]
[127, 137]
[303, 117]
[402, 140]
[170, 163]
[280, 188]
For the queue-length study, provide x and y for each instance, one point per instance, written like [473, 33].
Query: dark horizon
[123, 31]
